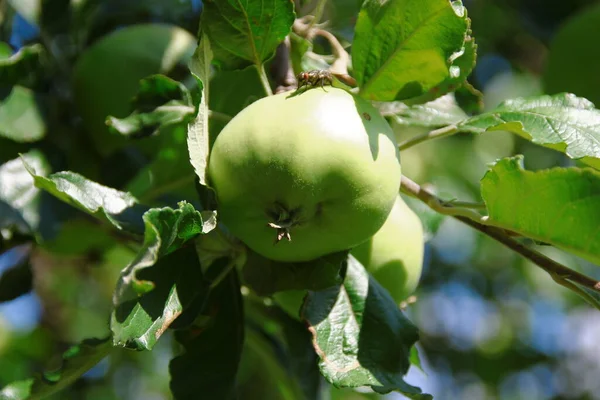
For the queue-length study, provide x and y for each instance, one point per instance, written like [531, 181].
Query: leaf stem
[435, 134]
[264, 79]
[555, 269]
[219, 116]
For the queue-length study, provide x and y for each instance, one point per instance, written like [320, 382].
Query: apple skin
[324, 164]
[394, 255]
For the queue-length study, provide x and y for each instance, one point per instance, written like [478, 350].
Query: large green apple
[394, 255]
[107, 75]
[301, 176]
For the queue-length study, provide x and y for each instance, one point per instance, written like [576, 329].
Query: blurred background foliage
[492, 325]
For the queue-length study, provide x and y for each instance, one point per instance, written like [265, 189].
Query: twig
[443, 207]
[282, 71]
[435, 134]
[264, 79]
[555, 269]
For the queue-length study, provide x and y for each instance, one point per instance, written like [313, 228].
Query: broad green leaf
[460, 70]
[562, 122]
[212, 351]
[21, 67]
[558, 206]
[570, 65]
[361, 336]
[266, 276]
[18, 278]
[163, 279]
[161, 102]
[75, 362]
[19, 199]
[118, 208]
[402, 49]
[22, 116]
[198, 138]
[246, 33]
[440, 112]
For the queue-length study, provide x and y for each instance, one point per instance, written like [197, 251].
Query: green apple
[301, 176]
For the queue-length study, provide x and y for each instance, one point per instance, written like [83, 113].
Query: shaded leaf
[211, 351]
[570, 65]
[440, 112]
[399, 55]
[22, 116]
[161, 102]
[361, 336]
[562, 122]
[75, 362]
[266, 276]
[558, 206]
[246, 33]
[163, 279]
[19, 198]
[198, 137]
[21, 67]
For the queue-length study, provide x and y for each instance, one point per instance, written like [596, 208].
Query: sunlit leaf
[198, 138]
[441, 112]
[119, 208]
[558, 206]
[22, 116]
[163, 279]
[562, 122]
[399, 55]
[246, 33]
[75, 362]
[19, 198]
[211, 352]
[361, 336]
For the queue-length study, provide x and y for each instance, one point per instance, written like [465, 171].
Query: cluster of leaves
[408, 57]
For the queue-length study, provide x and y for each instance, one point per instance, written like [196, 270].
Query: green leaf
[22, 116]
[21, 67]
[558, 206]
[562, 122]
[19, 198]
[570, 65]
[361, 336]
[212, 351]
[161, 102]
[75, 362]
[271, 381]
[163, 279]
[118, 208]
[266, 276]
[403, 49]
[169, 173]
[17, 279]
[198, 138]
[460, 70]
[441, 112]
[246, 33]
